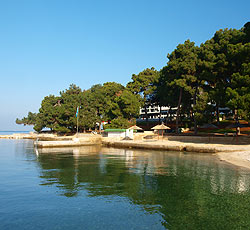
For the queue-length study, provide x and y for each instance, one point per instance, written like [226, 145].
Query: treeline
[108, 102]
[198, 80]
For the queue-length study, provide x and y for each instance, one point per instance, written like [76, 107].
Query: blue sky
[45, 45]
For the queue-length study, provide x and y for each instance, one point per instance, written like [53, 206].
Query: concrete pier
[83, 140]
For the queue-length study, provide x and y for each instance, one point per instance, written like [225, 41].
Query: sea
[95, 187]
[13, 132]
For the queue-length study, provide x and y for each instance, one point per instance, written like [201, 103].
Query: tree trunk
[160, 116]
[195, 120]
[100, 127]
[145, 107]
[146, 115]
[178, 111]
[217, 114]
[191, 115]
[236, 117]
[168, 114]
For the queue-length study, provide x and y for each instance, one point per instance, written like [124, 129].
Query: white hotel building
[156, 112]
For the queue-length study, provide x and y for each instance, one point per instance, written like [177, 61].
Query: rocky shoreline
[237, 154]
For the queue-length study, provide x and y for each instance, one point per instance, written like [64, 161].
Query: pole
[77, 117]
[77, 126]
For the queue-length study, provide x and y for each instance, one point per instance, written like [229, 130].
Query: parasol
[160, 127]
[135, 127]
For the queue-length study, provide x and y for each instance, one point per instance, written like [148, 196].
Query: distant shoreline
[15, 131]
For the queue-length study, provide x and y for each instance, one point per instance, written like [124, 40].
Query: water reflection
[73, 166]
[186, 189]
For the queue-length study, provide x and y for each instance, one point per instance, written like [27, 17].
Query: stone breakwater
[168, 143]
[238, 155]
[52, 140]
[235, 151]
[75, 141]
[169, 146]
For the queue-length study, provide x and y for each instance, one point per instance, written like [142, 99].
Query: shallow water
[105, 188]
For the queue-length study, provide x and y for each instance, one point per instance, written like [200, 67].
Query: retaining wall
[211, 139]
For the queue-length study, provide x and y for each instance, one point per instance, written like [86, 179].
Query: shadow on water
[189, 191]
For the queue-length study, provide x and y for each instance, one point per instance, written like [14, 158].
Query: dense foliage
[197, 80]
[108, 102]
[206, 77]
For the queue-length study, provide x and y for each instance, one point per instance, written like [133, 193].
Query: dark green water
[101, 188]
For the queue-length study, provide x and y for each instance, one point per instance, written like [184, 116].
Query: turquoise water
[102, 188]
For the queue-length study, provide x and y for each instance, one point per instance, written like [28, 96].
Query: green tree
[129, 104]
[71, 98]
[29, 120]
[48, 113]
[143, 84]
[108, 102]
[239, 90]
[58, 112]
[224, 64]
[246, 30]
[182, 73]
